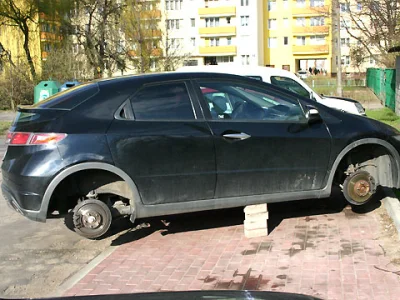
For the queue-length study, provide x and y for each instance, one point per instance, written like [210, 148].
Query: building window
[224, 59]
[244, 21]
[344, 6]
[301, 22]
[285, 40]
[317, 3]
[172, 23]
[285, 22]
[245, 59]
[193, 22]
[301, 41]
[212, 22]
[214, 42]
[173, 4]
[317, 21]
[193, 41]
[342, 42]
[244, 2]
[344, 24]
[285, 4]
[301, 3]
[317, 40]
[153, 64]
[191, 62]
[229, 41]
[272, 42]
[345, 60]
[272, 24]
[271, 5]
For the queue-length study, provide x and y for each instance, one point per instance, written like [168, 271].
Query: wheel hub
[91, 219]
[362, 188]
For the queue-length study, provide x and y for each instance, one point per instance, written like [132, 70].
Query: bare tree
[96, 26]
[141, 26]
[24, 15]
[174, 53]
[62, 64]
[375, 24]
[357, 56]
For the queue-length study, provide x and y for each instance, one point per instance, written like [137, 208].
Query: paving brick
[330, 256]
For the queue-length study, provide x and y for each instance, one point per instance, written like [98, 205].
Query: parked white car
[283, 79]
[302, 74]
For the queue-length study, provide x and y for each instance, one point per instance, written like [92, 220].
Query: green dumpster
[45, 89]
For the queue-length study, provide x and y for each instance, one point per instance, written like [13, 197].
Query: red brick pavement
[331, 256]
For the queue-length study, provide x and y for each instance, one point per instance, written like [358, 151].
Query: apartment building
[298, 35]
[351, 12]
[217, 32]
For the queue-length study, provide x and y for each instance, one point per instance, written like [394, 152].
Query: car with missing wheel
[152, 145]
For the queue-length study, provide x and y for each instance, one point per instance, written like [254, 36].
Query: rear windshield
[70, 98]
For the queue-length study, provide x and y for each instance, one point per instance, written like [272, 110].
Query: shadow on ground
[230, 217]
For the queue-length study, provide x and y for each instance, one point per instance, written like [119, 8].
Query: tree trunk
[25, 30]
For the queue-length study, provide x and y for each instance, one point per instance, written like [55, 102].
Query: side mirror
[313, 115]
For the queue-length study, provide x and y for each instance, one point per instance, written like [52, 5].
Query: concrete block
[256, 217]
[258, 224]
[255, 233]
[255, 209]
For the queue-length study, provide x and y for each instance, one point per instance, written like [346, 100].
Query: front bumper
[34, 215]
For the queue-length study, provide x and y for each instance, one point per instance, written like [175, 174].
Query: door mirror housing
[313, 115]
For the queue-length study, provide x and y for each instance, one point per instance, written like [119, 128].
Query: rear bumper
[34, 215]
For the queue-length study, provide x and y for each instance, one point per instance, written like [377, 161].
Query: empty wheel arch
[371, 156]
[91, 181]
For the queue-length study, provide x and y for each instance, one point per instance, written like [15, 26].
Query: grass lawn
[4, 127]
[385, 115]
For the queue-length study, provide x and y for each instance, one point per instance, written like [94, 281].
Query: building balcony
[44, 55]
[310, 30]
[310, 11]
[146, 34]
[156, 52]
[217, 50]
[151, 14]
[217, 11]
[50, 36]
[310, 49]
[218, 31]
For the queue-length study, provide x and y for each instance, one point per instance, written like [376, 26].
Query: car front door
[165, 145]
[264, 144]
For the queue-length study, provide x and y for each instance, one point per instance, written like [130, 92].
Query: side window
[290, 84]
[240, 101]
[168, 101]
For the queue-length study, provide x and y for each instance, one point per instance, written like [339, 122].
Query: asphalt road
[35, 258]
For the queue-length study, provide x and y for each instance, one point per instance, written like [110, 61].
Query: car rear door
[165, 145]
[265, 145]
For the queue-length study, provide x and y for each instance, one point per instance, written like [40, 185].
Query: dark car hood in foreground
[213, 295]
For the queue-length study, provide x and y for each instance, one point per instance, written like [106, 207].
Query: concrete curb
[392, 205]
[74, 279]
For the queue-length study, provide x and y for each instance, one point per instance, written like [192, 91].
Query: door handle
[237, 136]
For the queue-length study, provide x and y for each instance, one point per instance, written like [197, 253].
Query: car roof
[239, 70]
[168, 76]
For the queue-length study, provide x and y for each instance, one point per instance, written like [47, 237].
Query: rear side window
[70, 98]
[290, 84]
[169, 101]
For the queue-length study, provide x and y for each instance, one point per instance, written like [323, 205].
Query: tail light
[28, 138]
